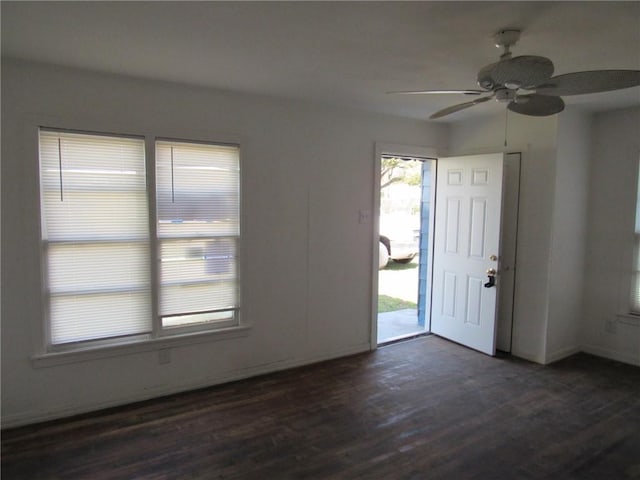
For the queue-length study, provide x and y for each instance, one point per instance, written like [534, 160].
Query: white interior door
[466, 247]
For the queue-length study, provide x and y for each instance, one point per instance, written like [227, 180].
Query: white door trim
[509, 249]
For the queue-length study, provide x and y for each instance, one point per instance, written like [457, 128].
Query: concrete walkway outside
[398, 324]
[402, 284]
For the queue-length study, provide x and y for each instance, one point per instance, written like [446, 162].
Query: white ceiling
[344, 53]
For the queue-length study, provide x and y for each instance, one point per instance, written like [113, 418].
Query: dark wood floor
[423, 409]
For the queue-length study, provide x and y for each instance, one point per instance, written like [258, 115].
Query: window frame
[48, 354]
[193, 328]
[51, 243]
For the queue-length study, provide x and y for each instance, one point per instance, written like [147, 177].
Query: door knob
[491, 273]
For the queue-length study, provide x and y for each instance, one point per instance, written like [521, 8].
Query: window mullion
[154, 254]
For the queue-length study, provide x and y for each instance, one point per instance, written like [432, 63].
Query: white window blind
[635, 282]
[95, 236]
[198, 208]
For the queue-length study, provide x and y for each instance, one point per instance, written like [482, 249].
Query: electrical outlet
[610, 326]
[164, 356]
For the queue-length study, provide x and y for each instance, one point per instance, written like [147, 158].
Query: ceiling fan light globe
[513, 84]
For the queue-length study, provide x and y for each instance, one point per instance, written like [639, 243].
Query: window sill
[629, 319]
[86, 354]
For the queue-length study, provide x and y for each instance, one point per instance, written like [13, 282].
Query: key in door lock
[491, 273]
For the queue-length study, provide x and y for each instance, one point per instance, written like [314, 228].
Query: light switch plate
[364, 216]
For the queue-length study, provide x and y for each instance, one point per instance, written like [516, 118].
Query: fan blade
[517, 72]
[460, 106]
[536, 105]
[438, 92]
[579, 83]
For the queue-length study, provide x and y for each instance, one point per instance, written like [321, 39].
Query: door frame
[380, 150]
[431, 152]
[509, 249]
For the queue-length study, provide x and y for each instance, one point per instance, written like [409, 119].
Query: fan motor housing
[505, 95]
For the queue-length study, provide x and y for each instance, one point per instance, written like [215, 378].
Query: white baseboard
[30, 417]
[591, 349]
[612, 354]
[562, 353]
[535, 358]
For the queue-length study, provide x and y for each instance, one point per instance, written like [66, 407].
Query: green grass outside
[391, 304]
[401, 266]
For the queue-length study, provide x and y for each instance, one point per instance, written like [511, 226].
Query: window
[635, 282]
[198, 230]
[101, 282]
[95, 236]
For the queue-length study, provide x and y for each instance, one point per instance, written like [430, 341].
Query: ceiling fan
[526, 84]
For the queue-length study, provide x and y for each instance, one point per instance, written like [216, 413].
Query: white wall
[614, 168]
[307, 266]
[568, 235]
[536, 139]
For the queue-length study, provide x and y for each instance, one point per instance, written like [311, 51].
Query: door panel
[466, 245]
[478, 222]
[452, 227]
[474, 300]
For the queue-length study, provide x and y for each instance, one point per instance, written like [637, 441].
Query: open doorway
[393, 320]
[405, 226]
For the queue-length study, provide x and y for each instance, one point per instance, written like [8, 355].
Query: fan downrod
[506, 38]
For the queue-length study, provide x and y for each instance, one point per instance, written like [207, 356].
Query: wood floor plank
[423, 409]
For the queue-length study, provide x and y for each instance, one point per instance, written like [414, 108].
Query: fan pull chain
[506, 118]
